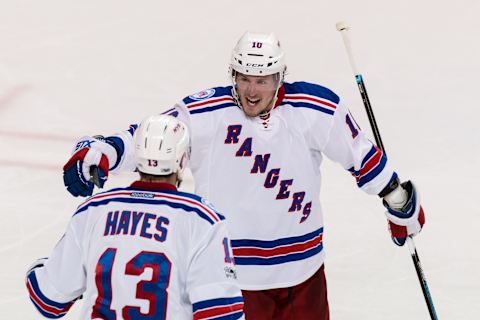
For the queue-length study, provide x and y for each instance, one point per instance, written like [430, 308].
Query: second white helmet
[162, 145]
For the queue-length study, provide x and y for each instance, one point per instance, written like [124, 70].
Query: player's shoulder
[209, 100]
[102, 198]
[311, 89]
[188, 203]
[311, 96]
[194, 203]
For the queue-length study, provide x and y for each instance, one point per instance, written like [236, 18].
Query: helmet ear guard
[162, 146]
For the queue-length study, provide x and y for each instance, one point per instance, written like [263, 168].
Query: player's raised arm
[370, 167]
[348, 145]
[92, 154]
[94, 157]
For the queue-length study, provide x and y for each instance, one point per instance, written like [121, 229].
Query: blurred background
[69, 69]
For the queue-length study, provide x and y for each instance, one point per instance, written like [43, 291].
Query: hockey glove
[404, 212]
[91, 154]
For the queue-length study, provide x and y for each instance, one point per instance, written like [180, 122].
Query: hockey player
[257, 146]
[146, 251]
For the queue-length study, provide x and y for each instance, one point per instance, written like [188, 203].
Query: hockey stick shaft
[422, 279]
[343, 29]
[94, 176]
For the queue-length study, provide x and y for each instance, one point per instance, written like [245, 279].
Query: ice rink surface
[93, 67]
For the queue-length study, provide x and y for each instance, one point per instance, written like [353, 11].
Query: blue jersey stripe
[370, 154]
[309, 106]
[275, 243]
[60, 309]
[232, 316]
[279, 259]
[171, 204]
[168, 111]
[132, 128]
[33, 281]
[119, 146]
[373, 173]
[194, 197]
[213, 108]
[215, 303]
[311, 89]
[46, 314]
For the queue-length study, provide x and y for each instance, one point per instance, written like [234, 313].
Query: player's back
[139, 246]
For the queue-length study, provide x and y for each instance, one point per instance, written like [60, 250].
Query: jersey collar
[153, 186]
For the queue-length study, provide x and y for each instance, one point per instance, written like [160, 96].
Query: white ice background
[69, 68]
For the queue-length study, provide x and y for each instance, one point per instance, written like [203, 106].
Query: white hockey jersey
[264, 173]
[143, 252]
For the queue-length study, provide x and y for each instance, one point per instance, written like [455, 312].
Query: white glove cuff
[414, 228]
[407, 222]
[397, 198]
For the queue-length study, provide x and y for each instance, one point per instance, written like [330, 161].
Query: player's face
[256, 92]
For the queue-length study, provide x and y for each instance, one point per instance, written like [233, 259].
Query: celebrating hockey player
[146, 251]
[257, 146]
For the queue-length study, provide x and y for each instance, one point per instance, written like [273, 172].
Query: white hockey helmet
[258, 54]
[162, 146]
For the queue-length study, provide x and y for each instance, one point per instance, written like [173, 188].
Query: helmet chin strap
[179, 183]
[234, 91]
[267, 111]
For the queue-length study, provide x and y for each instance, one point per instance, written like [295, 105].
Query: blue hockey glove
[89, 165]
[404, 213]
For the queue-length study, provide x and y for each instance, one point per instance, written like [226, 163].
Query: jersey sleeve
[54, 286]
[349, 146]
[211, 279]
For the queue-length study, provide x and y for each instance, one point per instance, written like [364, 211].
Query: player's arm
[94, 157]
[348, 145]
[55, 283]
[212, 279]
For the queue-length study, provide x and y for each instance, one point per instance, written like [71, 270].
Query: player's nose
[251, 90]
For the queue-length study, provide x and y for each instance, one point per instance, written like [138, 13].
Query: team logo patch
[202, 94]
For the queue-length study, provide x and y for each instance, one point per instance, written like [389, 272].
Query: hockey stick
[343, 27]
[94, 176]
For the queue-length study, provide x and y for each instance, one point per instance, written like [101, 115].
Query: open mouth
[252, 102]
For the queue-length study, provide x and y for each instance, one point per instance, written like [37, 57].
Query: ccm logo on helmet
[255, 65]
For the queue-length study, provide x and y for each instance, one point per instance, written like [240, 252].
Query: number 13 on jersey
[154, 290]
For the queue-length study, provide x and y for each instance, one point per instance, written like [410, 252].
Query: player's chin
[248, 110]
[252, 110]
[250, 113]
